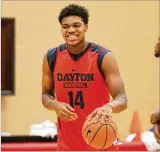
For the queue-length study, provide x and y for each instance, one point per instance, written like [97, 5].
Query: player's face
[157, 49]
[73, 29]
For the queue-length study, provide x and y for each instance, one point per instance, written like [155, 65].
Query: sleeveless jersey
[81, 84]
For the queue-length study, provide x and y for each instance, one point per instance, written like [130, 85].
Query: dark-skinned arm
[115, 84]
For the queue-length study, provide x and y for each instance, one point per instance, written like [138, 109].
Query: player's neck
[80, 47]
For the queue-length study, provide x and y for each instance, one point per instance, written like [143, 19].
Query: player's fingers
[68, 119]
[69, 113]
[71, 119]
[98, 115]
[106, 117]
[62, 114]
[69, 107]
[109, 118]
[65, 117]
[92, 115]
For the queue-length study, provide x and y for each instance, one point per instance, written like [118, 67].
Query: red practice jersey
[81, 84]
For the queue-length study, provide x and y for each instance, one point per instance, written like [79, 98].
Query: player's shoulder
[97, 48]
[52, 53]
[60, 47]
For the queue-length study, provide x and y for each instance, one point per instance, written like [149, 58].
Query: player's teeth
[72, 36]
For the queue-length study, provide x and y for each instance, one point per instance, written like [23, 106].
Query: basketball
[98, 135]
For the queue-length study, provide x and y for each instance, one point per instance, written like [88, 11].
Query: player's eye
[77, 25]
[64, 27]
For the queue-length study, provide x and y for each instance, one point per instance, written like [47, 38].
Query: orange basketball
[98, 135]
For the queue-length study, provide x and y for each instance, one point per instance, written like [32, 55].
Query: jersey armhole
[100, 59]
[51, 58]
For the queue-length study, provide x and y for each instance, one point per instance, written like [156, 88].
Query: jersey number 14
[78, 99]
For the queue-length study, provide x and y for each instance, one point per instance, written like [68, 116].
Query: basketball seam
[106, 136]
[106, 132]
[90, 125]
[113, 130]
[95, 134]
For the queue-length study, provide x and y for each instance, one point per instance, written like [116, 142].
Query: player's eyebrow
[73, 23]
[77, 23]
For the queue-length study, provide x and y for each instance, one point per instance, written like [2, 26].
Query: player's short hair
[74, 10]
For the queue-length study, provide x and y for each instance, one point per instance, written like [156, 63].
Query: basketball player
[78, 78]
[155, 117]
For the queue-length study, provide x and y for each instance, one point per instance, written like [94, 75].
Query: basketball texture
[99, 135]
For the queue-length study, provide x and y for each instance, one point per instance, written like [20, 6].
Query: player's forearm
[118, 104]
[49, 101]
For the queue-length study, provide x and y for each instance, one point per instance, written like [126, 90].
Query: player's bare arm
[116, 87]
[63, 110]
[114, 83]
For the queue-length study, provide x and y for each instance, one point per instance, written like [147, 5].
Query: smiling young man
[78, 78]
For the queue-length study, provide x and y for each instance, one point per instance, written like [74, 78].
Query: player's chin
[72, 43]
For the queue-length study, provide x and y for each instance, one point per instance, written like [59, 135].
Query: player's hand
[157, 132]
[101, 114]
[65, 112]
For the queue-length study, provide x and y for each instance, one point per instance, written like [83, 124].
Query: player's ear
[86, 27]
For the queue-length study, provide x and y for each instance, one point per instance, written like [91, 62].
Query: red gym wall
[130, 29]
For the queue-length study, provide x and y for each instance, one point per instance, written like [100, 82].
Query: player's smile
[72, 37]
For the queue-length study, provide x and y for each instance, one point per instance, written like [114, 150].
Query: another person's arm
[155, 117]
[155, 120]
[156, 127]
[157, 48]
